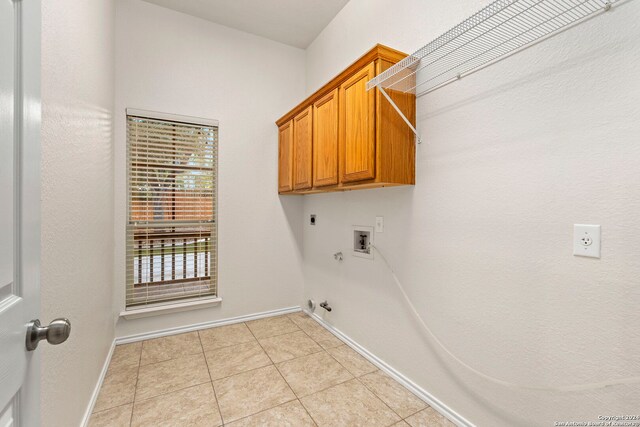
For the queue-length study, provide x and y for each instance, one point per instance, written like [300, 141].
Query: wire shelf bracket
[497, 31]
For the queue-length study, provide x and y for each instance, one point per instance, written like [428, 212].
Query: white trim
[439, 406]
[434, 402]
[172, 331]
[96, 390]
[204, 325]
[158, 309]
[171, 117]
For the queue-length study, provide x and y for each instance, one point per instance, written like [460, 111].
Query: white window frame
[155, 309]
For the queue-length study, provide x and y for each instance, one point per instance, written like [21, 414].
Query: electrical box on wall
[362, 240]
[586, 240]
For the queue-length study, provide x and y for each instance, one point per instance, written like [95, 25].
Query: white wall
[170, 62]
[77, 200]
[513, 156]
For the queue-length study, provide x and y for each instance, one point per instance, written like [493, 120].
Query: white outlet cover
[586, 240]
[379, 224]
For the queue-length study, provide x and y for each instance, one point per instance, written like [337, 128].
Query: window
[171, 228]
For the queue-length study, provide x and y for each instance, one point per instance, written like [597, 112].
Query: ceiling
[293, 22]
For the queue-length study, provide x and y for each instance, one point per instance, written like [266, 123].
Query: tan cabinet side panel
[396, 154]
[325, 140]
[285, 157]
[303, 150]
[357, 127]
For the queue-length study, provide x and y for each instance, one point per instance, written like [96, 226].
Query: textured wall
[513, 156]
[171, 62]
[77, 200]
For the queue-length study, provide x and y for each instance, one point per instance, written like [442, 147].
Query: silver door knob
[56, 333]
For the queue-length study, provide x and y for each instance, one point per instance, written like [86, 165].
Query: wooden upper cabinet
[325, 140]
[285, 157]
[357, 127]
[345, 137]
[303, 149]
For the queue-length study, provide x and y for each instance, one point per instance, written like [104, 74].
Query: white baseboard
[96, 390]
[205, 325]
[382, 365]
[453, 416]
[172, 331]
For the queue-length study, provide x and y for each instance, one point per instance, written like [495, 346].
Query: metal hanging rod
[493, 33]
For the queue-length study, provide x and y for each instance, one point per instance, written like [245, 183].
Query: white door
[19, 209]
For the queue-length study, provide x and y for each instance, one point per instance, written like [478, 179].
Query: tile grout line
[295, 357]
[274, 407]
[380, 399]
[323, 350]
[342, 364]
[168, 360]
[287, 382]
[369, 389]
[223, 346]
[135, 391]
[259, 367]
[307, 411]
[297, 398]
[256, 340]
[420, 410]
[269, 318]
[169, 392]
[323, 389]
[215, 396]
[426, 405]
[243, 372]
[278, 371]
[357, 378]
[171, 358]
[372, 372]
[327, 388]
[295, 394]
[317, 341]
[113, 407]
[265, 352]
[107, 375]
[204, 352]
[139, 365]
[388, 370]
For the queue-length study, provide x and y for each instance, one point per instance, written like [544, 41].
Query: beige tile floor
[280, 371]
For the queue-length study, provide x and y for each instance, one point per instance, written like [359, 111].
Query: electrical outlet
[379, 224]
[312, 219]
[586, 240]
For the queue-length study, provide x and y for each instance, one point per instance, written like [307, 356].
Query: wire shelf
[502, 28]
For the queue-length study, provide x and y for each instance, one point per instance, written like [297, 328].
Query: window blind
[171, 228]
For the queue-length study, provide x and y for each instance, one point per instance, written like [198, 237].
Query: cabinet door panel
[325, 140]
[285, 157]
[357, 127]
[302, 149]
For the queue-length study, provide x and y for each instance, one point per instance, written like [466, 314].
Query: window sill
[156, 310]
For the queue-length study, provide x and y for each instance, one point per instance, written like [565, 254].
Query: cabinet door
[285, 157]
[357, 127]
[325, 140]
[302, 149]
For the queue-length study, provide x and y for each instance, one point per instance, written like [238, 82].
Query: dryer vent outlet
[311, 304]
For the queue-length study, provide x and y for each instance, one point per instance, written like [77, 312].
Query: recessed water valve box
[362, 240]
